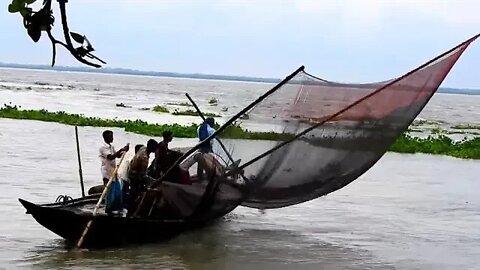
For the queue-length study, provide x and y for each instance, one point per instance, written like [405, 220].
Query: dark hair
[107, 133]
[210, 121]
[137, 147]
[152, 145]
[167, 134]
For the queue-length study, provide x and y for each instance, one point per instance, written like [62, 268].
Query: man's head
[167, 136]
[151, 146]
[210, 121]
[137, 147]
[108, 136]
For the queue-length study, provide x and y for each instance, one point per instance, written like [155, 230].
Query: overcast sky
[348, 41]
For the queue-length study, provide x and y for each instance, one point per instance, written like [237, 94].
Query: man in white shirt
[108, 155]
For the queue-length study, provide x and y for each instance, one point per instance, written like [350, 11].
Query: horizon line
[170, 74]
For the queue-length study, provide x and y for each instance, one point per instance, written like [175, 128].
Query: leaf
[18, 3]
[77, 37]
[89, 46]
[34, 33]
[25, 11]
[29, 1]
[13, 8]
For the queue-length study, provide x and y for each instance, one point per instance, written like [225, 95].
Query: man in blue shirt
[204, 131]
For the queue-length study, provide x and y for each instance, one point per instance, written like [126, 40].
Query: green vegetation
[436, 130]
[213, 101]
[422, 122]
[440, 145]
[135, 126]
[466, 127]
[414, 130]
[184, 104]
[194, 113]
[160, 109]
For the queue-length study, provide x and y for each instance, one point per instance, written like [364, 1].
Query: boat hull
[105, 230]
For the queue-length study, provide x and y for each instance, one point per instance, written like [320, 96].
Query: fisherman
[204, 131]
[158, 164]
[108, 155]
[205, 162]
[137, 173]
[164, 160]
[126, 181]
[167, 138]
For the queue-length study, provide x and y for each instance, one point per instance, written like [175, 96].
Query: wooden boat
[69, 218]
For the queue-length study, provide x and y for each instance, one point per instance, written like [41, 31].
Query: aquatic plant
[440, 145]
[160, 109]
[194, 113]
[185, 104]
[466, 126]
[414, 130]
[421, 122]
[213, 101]
[122, 105]
[436, 130]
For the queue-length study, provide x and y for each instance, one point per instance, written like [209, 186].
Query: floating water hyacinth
[441, 145]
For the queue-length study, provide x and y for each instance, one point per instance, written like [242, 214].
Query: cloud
[368, 11]
[455, 12]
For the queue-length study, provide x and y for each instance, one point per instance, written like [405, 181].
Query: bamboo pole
[79, 162]
[105, 191]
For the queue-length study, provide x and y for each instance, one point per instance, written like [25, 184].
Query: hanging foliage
[42, 20]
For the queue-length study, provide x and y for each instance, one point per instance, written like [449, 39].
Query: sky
[346, 41]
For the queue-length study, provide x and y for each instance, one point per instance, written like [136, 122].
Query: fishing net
[331, 133]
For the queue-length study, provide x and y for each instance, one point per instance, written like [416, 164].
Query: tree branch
[54, 47]
[66, 33]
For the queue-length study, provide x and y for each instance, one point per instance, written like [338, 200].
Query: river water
[407, 212]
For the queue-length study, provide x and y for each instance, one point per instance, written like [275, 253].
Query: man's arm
[119, 153]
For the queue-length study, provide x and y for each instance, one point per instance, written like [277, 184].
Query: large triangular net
[335, 131]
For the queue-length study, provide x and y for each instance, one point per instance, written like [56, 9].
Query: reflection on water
[224, 245]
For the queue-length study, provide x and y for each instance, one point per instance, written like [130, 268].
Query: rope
[63, 199]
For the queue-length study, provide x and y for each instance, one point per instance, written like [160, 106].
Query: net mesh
[342, 129]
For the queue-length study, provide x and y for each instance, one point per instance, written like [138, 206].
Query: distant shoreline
[125, 71]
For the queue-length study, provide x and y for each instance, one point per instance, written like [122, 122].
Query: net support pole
[80, 173]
